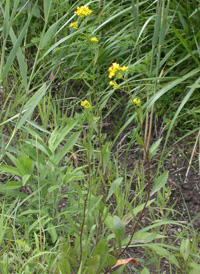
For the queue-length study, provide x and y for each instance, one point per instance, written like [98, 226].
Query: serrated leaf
[153, 149]
[114, 186]
[159, 182]
[139, 140]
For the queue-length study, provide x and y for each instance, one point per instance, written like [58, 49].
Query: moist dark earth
[184, 181]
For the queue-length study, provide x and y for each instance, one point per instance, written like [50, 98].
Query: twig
[191, 158]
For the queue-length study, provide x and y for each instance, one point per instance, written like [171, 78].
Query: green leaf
[24, 245]
[16, 46]
[49, 34]
[111, 260]
[52, 232]
[193, 271]
[70, 143]
[114, 187]
[145, 271]
[10, 169]
[10, 185]
[195, 266]
[185, 249]
[165, 253]
[57, 136]
[102, 249]
[47, 7]
[20, 58]
[32, 103]
[93, 264]
[119, 228]
[159, 182]
[94, 203]
[139, 140]
[25, 179]
[153, 149]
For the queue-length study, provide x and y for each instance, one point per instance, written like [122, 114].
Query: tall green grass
[68, 203]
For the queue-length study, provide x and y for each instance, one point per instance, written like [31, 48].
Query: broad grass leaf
[31, 104]
[20, 58]
[47, 8]
[114, 187]
[16, 46]
[10, 169]
[69, 144]
[10, 186]
[49, 34]
[165, 253]
[58, 135]
[195, 266]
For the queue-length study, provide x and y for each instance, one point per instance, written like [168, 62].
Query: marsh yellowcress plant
[94, 39]
[85, 104]
[114, 84]
[74, 25]
[136, 102]
[83, 11]
[115, 69]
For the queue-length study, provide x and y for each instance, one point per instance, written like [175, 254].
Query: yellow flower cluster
[83, 11]
[94, 39]
[114, 84]
[74, 25]
[136, 102]
[115, 68]
[85, 104]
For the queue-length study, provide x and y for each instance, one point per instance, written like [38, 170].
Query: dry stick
[151, 117]
[85, 203]
[146, 127]
[192, 156]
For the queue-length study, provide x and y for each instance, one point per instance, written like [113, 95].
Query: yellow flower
[85, 104]
[74, 25]
[114, 84]
[115, 69]
[83, 11]
[95, 118]
[124, 68]
[94, 39]
[136, 102]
